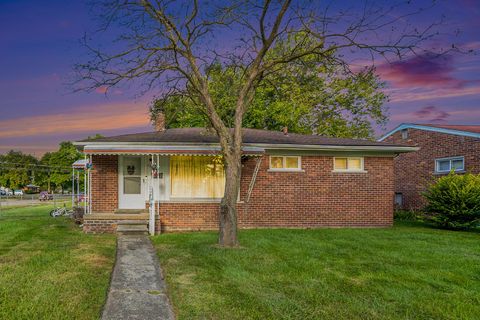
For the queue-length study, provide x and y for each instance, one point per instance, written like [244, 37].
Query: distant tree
[96, 136]
[17, 169]
[45, 181]
[59, 164]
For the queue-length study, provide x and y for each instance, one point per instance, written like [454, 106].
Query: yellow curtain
[197, 177]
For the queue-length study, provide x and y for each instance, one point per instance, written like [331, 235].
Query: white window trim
[362, 163]
[299, 159]
[450, 159]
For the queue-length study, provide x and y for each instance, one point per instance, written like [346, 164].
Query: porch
[130, 187]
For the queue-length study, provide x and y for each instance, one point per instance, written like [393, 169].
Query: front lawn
[406, 272]
[49, 269]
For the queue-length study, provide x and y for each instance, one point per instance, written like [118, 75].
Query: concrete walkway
[137, 290]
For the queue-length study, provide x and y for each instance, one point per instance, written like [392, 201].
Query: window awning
[165, 150]
[80, 164]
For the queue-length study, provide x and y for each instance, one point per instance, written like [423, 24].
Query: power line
[34, 165]
[38, 169]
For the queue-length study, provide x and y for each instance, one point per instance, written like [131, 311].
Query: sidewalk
[137, 289]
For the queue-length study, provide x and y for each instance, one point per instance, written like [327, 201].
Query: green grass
[406, 272]
[49, 269]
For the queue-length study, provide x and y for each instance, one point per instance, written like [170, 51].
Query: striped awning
[80, 164]
[165, 150]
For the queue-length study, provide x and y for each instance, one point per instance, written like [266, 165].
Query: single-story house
[288, 180]
[442, 148]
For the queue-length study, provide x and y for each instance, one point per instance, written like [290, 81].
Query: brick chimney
[159, 122]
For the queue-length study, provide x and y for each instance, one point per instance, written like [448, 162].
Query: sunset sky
[39, 43]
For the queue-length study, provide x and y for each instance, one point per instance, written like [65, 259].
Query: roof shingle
[251, 136]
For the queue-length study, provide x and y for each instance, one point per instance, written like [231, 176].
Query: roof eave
[393, 148]
[261, 146]
[429, 128]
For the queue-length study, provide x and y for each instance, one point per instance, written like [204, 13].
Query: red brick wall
[415, 170]
[100, 226]
[104, 183]
[316, 197]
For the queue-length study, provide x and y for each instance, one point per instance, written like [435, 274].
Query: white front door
[131, 193]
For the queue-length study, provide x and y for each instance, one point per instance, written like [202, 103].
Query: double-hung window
[348, 164]
[285, 163]
[445, 165]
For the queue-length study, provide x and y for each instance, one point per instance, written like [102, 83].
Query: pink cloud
[88, 119]
[424, 70]
[431, 113]
[421, 94]
[105, 90]
[466, 115]
[101, 90]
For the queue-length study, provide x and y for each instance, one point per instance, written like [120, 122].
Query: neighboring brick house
[442, 148]
[288, 180]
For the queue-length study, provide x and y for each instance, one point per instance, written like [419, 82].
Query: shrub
[454, 201]
[407, 215]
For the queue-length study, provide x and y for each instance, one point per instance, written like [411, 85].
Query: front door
[131, 193]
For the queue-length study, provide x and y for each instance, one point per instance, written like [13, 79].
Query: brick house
[442, 148]
[175, 178]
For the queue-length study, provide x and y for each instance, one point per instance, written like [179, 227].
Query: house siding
[314, 197]
[415, 170]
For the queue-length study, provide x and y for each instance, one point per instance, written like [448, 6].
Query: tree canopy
[59, 164]
[17, 169]
[52, 171]
[308, 97]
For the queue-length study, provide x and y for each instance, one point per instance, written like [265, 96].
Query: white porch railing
[152, 213]
[154, 193]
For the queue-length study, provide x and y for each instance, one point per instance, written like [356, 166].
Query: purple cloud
[431, 113]
[424, 70]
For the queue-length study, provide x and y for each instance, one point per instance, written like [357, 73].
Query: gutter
[214, 147]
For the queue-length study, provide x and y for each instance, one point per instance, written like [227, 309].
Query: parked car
[45, 196]
[18, 193]
[9, 193]
[3, 193]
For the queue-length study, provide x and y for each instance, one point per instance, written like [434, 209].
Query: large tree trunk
[228, 209]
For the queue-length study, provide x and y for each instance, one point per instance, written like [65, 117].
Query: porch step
[132, 222]
[130, 211]
[132, 227]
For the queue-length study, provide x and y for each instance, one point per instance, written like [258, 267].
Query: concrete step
[132, 229]
[131, 211]
[132, 222]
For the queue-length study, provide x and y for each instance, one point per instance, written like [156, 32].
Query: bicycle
[60, 211]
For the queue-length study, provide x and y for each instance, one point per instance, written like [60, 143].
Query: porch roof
[164, 150]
